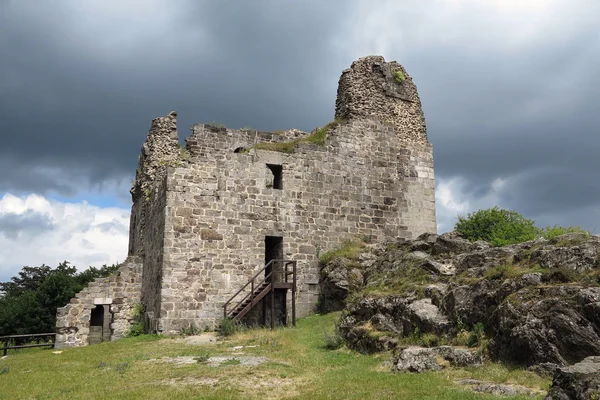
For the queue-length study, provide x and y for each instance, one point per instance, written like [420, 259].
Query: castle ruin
[208, 216]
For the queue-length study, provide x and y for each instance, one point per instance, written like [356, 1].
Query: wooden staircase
[276, 274]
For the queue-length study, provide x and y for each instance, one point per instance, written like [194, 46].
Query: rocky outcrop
[577, 382]
[536, 303]
[337, 279]
[545, 324]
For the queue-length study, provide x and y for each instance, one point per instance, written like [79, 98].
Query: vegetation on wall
[29, 301]
[316, 137]
[138, 327]
[399, 77]
[503, 227]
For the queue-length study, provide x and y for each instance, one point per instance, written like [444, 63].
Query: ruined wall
[118, 292]
[220, 209]
[372, 88]
[160, 151]
[373, 177]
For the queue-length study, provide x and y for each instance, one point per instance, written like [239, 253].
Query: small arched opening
[240, 150]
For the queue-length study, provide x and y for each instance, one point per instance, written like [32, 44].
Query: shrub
[228, 327]
[399, 77]
[477, 335]
[190, 330]
[551, 232]
[497, 226]
[333, 340]
[138, 327]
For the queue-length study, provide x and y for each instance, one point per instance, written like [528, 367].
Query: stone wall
[363, 181]
[372, 88]
[160, 151]
[200, 215]
[117, 293]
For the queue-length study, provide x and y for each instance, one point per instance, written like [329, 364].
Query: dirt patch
[212, 361]
[204, 338]
[189, 380]
[236, 360]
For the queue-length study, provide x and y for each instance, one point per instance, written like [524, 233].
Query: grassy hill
[299, 366]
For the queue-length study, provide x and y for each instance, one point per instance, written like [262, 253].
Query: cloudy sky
[510, 89]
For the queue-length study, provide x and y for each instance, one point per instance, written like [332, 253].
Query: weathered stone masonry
[201, 214]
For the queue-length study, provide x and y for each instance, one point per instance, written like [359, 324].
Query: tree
[30, 300]
[497, 226]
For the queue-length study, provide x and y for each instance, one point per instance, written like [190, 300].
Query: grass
[349, 249]
[317, 137]
[300, 367]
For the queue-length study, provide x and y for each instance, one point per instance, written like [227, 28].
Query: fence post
[5, 350]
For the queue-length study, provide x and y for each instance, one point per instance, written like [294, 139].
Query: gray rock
[534, 278]
[419, 359]
[451, 243]
[497, 389]
[427, 317]
[543, 325]
[337, 278]
[439, 268]
[577, 382]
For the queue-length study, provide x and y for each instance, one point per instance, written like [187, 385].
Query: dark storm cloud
[81, 83]
[29, 223]
[233, 62]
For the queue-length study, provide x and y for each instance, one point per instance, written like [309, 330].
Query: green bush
[551, 232]
[333, 340]
[138, 327]
[228, 327]
[399, 77]
[497, 226]
[190, 330]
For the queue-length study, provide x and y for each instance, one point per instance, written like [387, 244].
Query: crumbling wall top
[160, 150]
[372, 87]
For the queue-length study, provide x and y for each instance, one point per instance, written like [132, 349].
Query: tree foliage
[29, 301]
[501, 227]
[497, 226]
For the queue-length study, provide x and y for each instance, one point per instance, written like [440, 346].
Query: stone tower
[205, 218]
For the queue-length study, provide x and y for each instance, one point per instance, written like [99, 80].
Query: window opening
[277, 171]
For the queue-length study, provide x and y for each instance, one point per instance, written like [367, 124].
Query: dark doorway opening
[97, 317]
[273, 251]
[96, 325]
[277, 171]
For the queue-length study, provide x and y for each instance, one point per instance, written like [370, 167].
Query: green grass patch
[317, 137]
[300, 367]
[349, 249]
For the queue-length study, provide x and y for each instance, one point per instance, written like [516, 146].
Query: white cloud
[80, 233]
[452, 198]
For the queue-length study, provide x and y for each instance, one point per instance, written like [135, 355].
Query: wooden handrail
[254, 293]
[247, 283]
[30, 335]
[6, 339]
[245, 297]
